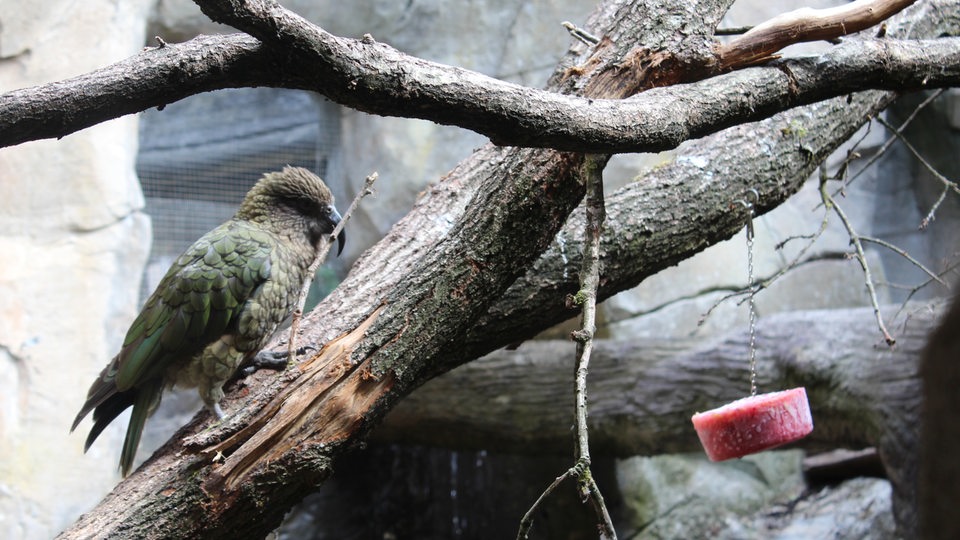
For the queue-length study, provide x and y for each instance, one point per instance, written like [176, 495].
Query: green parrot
[218, 305]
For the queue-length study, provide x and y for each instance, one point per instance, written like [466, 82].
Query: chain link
[753, 309]
[752, 290]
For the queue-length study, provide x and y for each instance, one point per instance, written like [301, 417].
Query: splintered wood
[324, 405]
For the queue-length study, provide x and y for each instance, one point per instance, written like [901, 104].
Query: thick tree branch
[641, 237]
[939, 469]
[375, 78]
[153, 78]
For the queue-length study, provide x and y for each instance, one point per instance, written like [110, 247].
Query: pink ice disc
[754, 424]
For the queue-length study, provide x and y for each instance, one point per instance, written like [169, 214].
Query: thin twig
[914, 290]
[527, 522]
[888, 142]
[580, 34]
[589, 282]
[732, 30]
[322, 253]
[906, 256]
[783, 243]
[932, 214]
[923, 161]
[831, 204]
[587, 298]
[852, 154]
[948, 184]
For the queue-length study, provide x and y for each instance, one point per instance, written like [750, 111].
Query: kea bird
[218, 305]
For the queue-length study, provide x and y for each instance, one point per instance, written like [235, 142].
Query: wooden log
[643, 392]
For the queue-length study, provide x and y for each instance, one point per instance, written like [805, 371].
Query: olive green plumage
[219, 303]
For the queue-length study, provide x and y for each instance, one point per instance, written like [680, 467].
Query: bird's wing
[198, 301]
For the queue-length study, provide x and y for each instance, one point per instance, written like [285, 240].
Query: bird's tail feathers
[146, 400]
[105, 412]
[102, 390]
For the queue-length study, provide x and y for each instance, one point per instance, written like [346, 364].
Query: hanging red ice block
[754, 424]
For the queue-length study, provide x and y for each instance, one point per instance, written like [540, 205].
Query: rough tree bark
[431, 295]
[372, 77]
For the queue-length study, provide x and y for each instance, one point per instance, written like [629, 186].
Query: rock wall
[74, 244]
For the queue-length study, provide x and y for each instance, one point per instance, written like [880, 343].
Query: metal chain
[753, 308]
[749, 205]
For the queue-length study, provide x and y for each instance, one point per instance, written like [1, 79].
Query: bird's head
[293, 196]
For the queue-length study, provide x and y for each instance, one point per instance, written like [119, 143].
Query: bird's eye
[300, 205]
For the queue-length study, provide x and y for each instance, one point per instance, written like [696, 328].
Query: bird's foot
[215, 408]
[275, 360]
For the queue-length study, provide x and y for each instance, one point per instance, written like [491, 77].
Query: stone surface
[760, 497]
[856, 509]
[686, 496]
[74, 245]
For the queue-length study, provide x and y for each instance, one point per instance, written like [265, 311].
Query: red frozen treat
[754, 424]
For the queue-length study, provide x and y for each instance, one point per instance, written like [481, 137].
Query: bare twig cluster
[858, 240]
[759, 284]
[861, 257]
[884, 147]
[948, 185]
[829, 201]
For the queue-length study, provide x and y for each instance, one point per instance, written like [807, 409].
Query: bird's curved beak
[334, 221]
[341, 240]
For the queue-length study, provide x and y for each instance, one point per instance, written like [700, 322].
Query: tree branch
[805, 24]
[321, 256]
[640, 238]
[859, 254]
[586, 297]
[375, 78]
[939, 470]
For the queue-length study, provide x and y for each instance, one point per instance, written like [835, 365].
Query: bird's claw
[275, 360]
